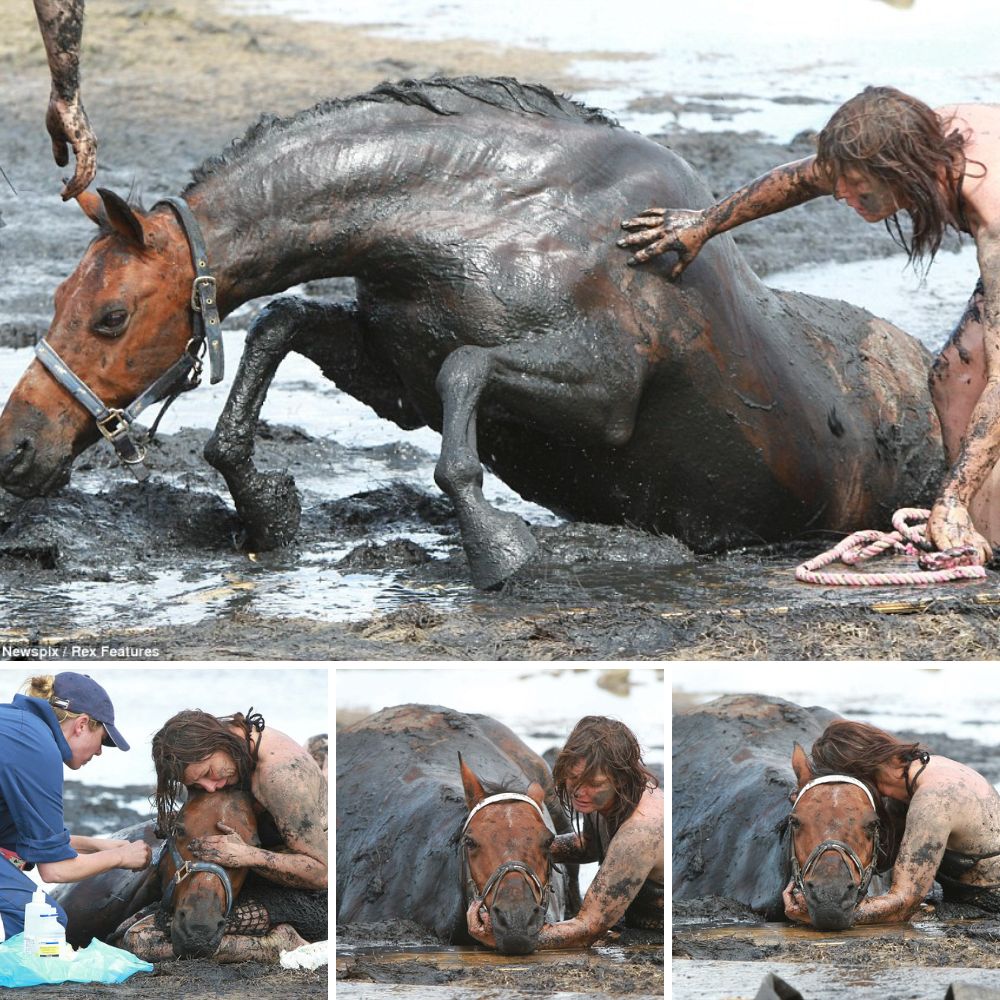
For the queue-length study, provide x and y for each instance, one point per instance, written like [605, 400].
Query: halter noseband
[846, 852]
[115, 423]
[186, 868]
[539, 890]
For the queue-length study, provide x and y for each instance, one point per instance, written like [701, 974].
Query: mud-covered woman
[286, 903]
[57, 721]
[952, 822]
[885, 153]
[617, 809]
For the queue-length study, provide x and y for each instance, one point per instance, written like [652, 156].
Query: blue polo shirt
[32, 752]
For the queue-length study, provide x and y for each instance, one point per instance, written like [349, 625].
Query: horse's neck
[306, 204]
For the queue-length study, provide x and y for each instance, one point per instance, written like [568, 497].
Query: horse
[420, 835]
[198, 896]
[195, 896]
[478, 219]
[745, 823]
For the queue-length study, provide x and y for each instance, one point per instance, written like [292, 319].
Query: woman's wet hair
[899, 141]
[608, 746]
[43, 686]
[860, 749]
[192, 736]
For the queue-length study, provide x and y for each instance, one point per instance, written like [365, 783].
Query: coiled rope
[909, 538]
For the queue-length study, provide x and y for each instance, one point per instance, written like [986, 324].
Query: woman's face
[212, 773]
[872, 199]
[84, 742]
[596, 794]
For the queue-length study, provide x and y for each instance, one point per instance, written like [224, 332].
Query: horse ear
[473, 789]
[92, 207]
[801, 766]
[536, 792]
[122, 217]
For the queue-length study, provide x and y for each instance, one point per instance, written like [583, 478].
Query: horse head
[199, 895]
[833, 840]
[505, 844]
[121, 320]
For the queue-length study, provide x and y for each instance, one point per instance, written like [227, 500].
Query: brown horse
[833, 831]
[478, 219]
[505, 855]
[198, 895]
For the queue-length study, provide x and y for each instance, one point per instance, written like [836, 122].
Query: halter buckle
[185, 869]
[202, 286]
[114, 425]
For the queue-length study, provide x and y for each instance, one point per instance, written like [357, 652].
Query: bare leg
[956, 381]
[152, 945]
[332, 336]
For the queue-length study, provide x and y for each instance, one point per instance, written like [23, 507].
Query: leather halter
[115, 423]
[846, 852]
[185, 868]
[539, 890]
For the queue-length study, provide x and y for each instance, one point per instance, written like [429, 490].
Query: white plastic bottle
[44, 936]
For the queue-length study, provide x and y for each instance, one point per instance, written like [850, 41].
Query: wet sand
[168, 85]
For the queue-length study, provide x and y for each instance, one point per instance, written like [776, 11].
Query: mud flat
[817, 981]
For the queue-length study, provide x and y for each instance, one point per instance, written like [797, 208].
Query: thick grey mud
[396, 952]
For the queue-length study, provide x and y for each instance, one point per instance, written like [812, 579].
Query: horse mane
[439, 95]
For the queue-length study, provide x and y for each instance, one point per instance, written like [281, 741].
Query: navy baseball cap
[82, 694]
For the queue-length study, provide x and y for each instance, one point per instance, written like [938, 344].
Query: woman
[600, 777]
[884, 152]
[195, 749]
[952, 831]
[65, 719]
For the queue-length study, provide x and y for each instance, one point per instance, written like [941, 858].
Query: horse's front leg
[267, 503]
[496, 543]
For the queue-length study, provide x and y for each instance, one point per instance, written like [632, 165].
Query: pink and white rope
[907, 538]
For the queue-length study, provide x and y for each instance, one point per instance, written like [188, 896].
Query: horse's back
[732, 778]
[400, 806]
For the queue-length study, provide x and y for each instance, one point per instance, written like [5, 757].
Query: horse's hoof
[498, 549]
[272, 511]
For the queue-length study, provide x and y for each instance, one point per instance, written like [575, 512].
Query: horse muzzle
[24, 474]
[196, 936]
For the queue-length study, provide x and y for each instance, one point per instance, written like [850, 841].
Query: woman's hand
[658, 230]
[795, 906]
[478, 919]
[68, 125]
[135, 855]
[230, 851]
[951, 527]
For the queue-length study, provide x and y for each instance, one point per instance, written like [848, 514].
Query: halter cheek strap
[115, 423]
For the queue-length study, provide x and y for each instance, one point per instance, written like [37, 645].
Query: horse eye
[112, 323]
[469, 843]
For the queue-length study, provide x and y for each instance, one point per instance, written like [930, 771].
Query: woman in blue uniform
[65, 719]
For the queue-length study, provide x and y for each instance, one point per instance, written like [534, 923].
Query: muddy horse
[749, 814]
[422, 833]
[478, 219]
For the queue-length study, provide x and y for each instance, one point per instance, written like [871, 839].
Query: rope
[909, 539]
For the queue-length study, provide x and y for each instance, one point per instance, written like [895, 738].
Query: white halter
[835, 779]
[505, 797]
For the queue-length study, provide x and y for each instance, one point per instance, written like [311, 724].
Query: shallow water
[770, 66]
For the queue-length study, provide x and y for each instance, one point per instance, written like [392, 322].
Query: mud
[165, 85]
[627, 964]
[201, 978]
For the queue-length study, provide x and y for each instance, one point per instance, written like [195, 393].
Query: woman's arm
[685, 231]
[294, 792]
[574, 847]
[135, 856]
[90, 845]
[950, 525]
